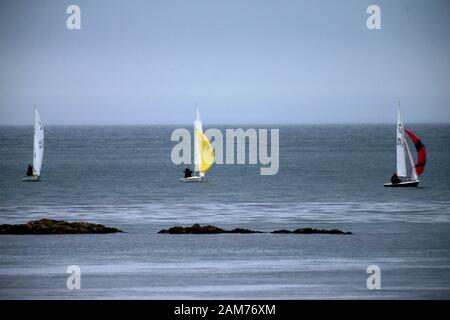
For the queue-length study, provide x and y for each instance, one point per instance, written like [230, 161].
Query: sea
[330, 176]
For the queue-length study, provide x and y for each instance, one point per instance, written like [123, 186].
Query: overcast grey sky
[242, 61]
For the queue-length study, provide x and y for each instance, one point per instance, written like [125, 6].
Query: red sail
[421, 152]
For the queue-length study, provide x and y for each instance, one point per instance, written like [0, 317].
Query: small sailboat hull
[192, 179]
[412, 183]
[30, 179]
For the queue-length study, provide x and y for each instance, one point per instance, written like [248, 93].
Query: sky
[242, 62]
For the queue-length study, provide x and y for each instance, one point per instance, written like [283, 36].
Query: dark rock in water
[282, 231]
[319, 231]
[198, 229]
[195, 229]
[208, 229]
[311, 231]
[48, 226]
[239, 230]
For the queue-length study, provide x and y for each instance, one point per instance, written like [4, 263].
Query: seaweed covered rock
[311, 231]
[49, 226]
[198, 229]
[209, 229]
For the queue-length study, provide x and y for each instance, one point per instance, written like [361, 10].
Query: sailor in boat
[30, 170]
[187, 173]
[395, 179]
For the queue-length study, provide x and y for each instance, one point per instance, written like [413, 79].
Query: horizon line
[217, 124]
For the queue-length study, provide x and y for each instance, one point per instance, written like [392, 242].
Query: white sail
[38, 145]
[411, 161]
[401, 165]
[198, 131]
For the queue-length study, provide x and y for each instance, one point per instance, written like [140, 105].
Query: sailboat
[203, 153]
[403, 149]
[38, 148]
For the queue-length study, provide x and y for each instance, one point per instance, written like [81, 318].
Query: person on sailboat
[187, 173]
[395, 179]
[30, 170]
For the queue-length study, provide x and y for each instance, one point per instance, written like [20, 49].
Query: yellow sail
[207, 155]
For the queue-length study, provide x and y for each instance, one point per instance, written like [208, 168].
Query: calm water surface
[331, 176]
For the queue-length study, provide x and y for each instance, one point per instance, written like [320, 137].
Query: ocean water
[331, 176]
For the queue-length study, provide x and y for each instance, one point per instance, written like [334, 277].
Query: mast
[198, 131]
[34, 136]
[38, 143]
[401, 165]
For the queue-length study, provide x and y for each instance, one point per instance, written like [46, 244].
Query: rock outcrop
[209, 229]
[49, 226]
[198, 229]
[311, 231]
